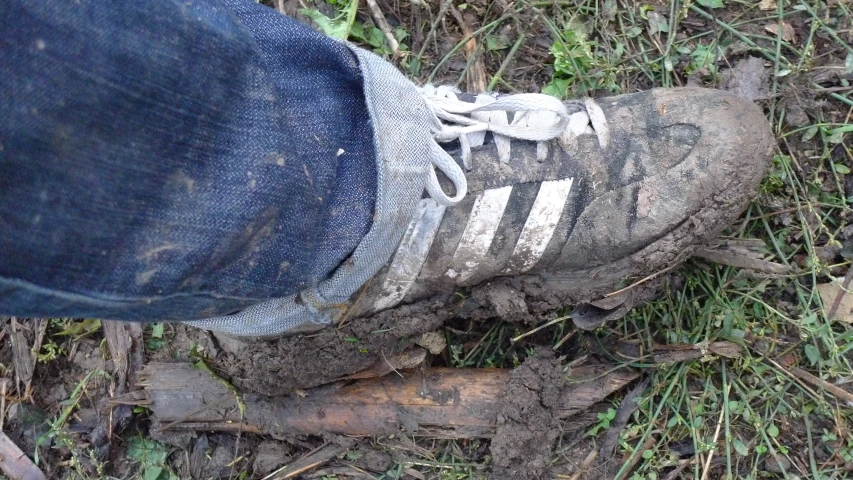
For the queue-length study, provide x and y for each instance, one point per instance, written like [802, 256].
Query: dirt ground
[773, 371]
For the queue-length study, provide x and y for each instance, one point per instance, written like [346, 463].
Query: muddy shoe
[550, 203]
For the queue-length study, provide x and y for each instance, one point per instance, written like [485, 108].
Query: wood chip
[475, 78]
[15, 464]
[726, 349]
[444, 402]
[124, 341]
[125, 344]
[27, 336]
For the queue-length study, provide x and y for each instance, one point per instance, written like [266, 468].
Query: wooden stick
[714, 441]
[315, 459]
[446, 402]
[587, 462]
[818, 382]
[379, 18]
[15, 464]
[650, 443]
[475, 81]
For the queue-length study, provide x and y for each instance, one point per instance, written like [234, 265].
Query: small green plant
[338, 27]
[156, 340]
[579, 67]
[151, 456]
[49, 351]
[57, 425]
[344, 27]
[79, 329]
[604, 419]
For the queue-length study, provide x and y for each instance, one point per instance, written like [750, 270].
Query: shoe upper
[568, 199]
[677, 166]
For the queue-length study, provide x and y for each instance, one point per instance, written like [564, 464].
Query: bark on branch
[439, 402]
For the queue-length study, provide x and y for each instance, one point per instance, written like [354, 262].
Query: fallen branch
[440, 402]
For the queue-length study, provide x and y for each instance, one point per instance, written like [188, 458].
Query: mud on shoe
[529, 202]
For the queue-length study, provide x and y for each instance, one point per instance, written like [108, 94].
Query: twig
[565, 339]
[787, 371]
[641, 281]
[509, 57]
[650, 443]
[441, 12]
[818, 382]
[379, 18]
[681, 466]
[587, 462]
[392, 366]
[540, 327]
[312, 460]
[707, 467]
[4, 383]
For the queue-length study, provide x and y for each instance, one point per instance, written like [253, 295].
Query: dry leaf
[767, 5]
[788, 33]
[828, 293]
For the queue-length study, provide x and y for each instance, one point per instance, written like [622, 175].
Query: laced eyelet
[536, 117]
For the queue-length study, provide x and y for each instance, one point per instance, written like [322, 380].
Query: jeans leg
[174, 160]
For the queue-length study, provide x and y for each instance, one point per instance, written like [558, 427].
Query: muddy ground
[60, 399]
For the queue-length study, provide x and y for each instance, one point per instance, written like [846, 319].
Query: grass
[715, 417]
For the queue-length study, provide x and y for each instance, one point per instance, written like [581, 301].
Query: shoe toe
[685, 160]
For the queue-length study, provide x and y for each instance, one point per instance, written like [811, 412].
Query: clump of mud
[278, 367]
[528, 424]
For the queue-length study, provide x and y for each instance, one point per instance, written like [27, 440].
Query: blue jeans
[174, 159]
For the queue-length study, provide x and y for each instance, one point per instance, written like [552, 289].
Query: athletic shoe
[525, 203]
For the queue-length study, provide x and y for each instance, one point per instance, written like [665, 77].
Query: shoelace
[537, 117]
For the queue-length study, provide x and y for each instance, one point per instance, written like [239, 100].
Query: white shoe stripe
[411, 254]
[474, 245]
[540, 225]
